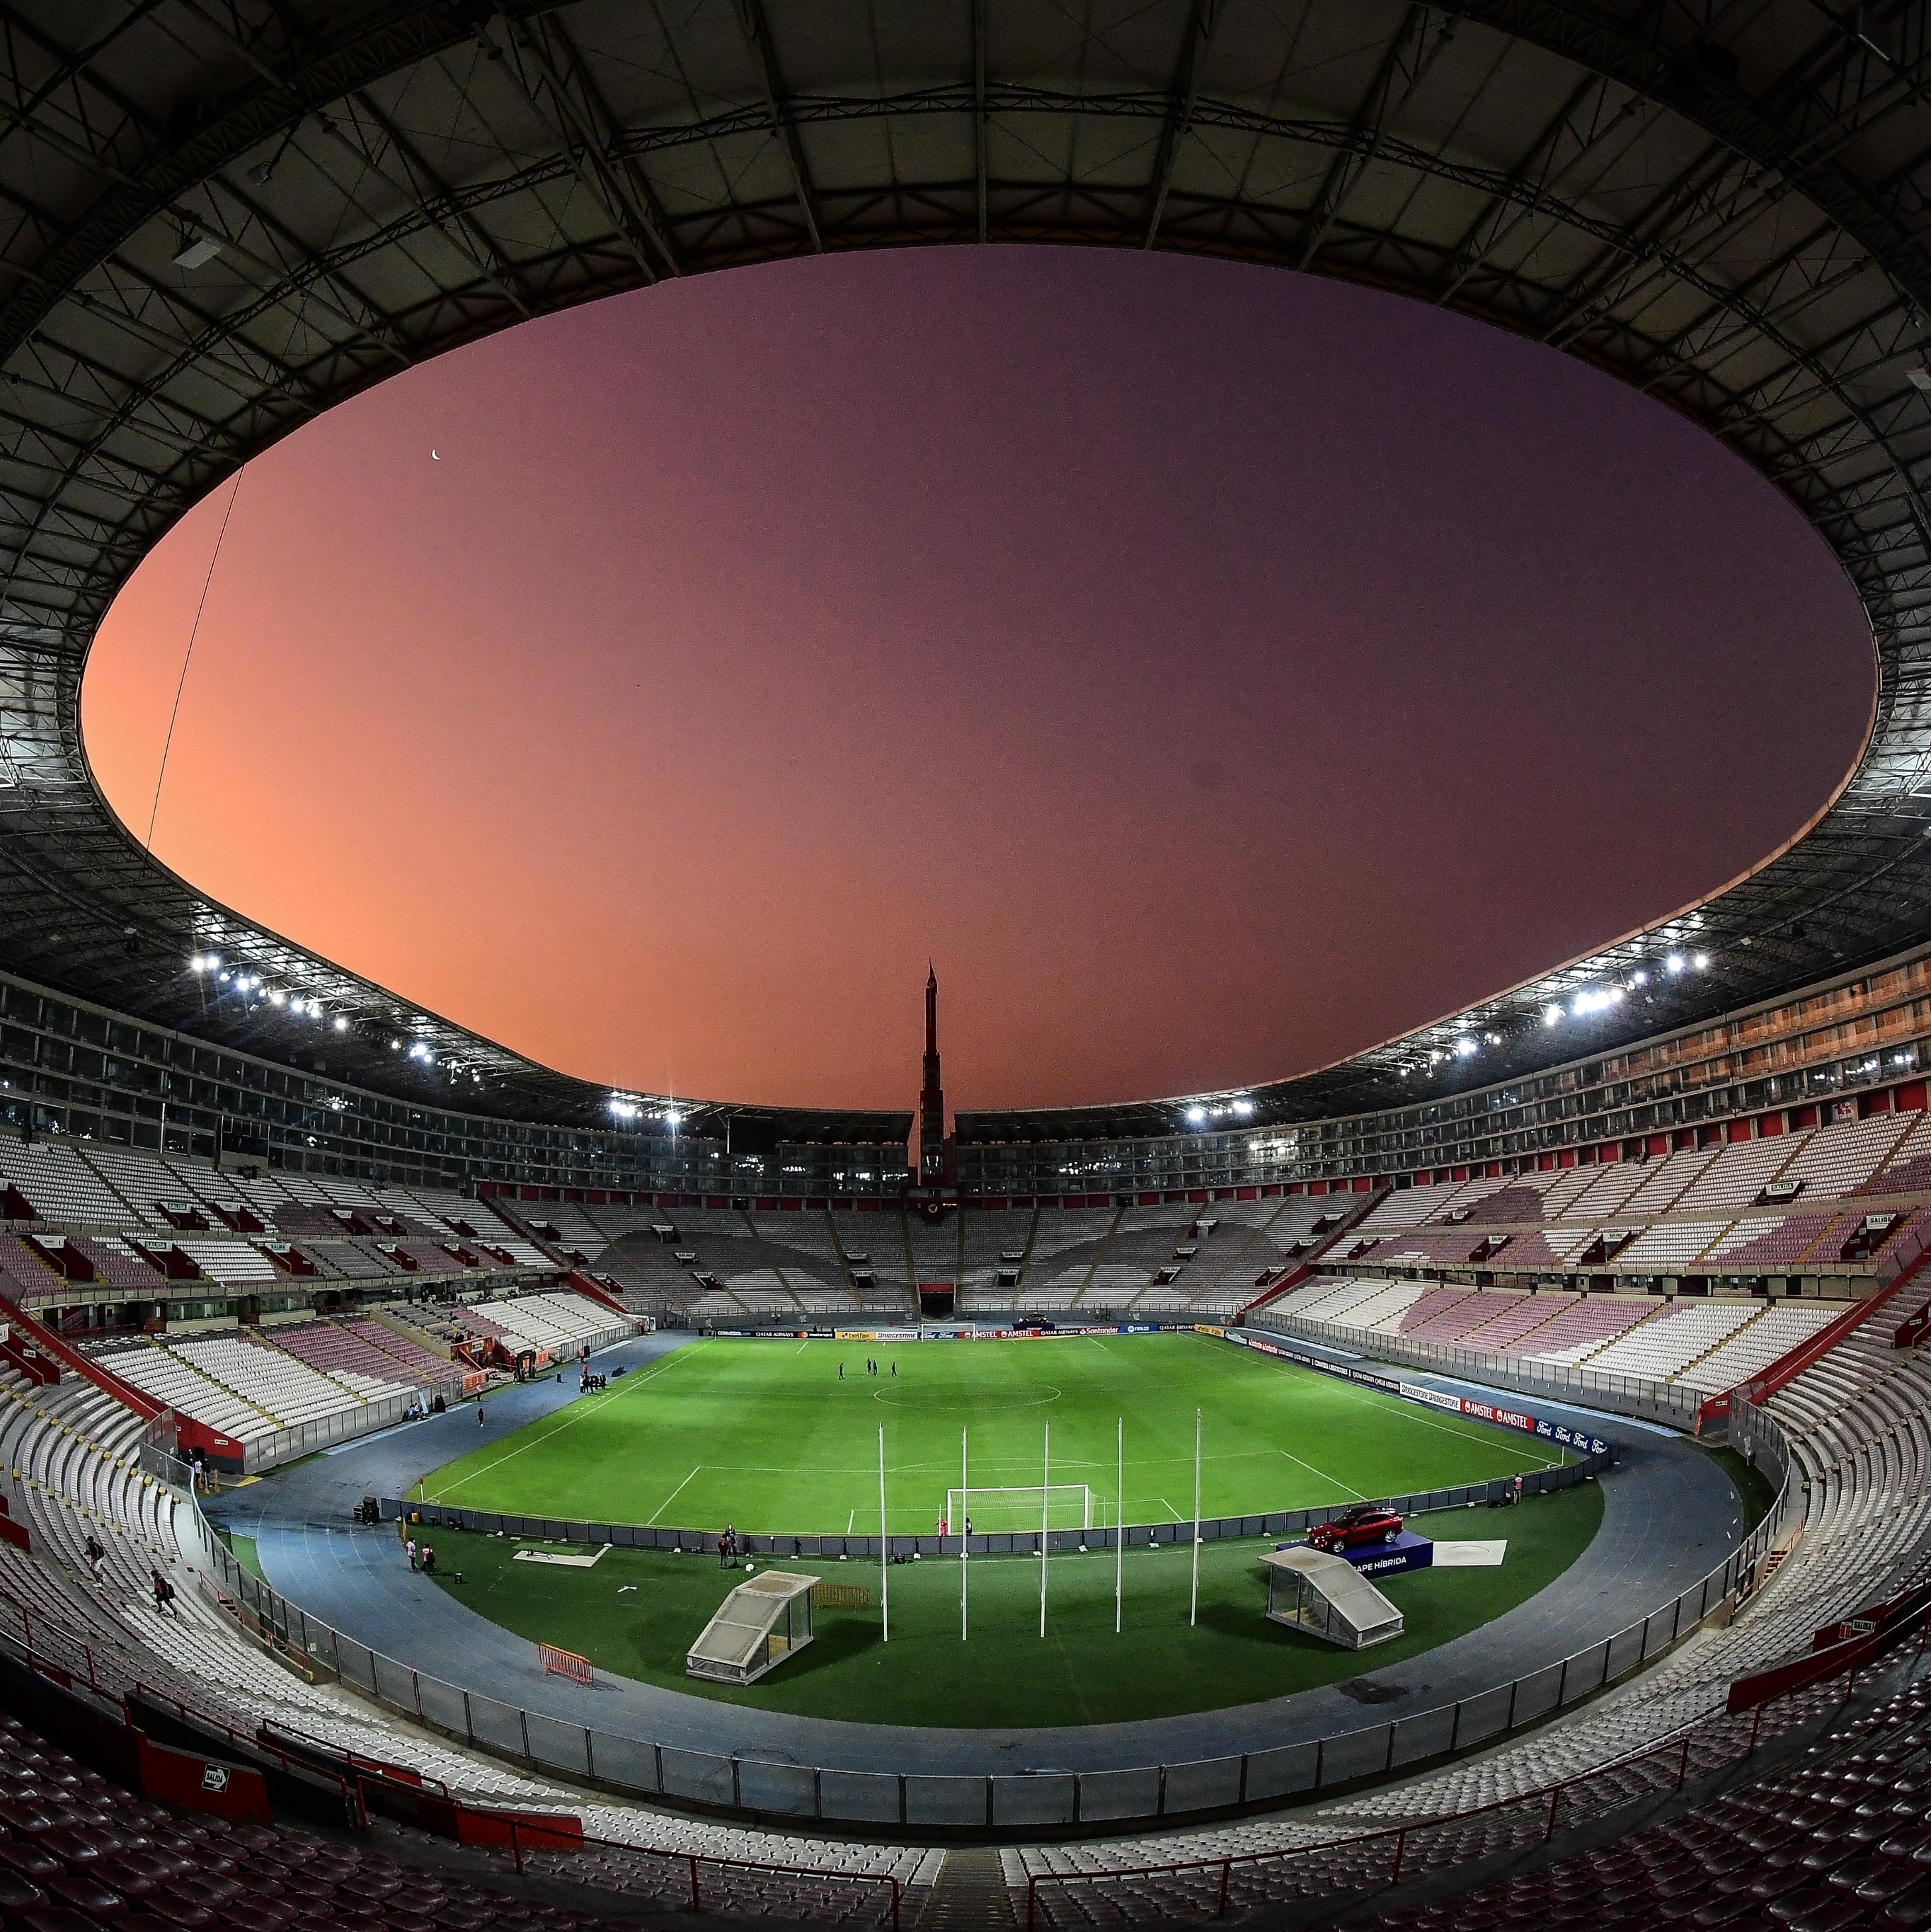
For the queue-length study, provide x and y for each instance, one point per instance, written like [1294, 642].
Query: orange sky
[1215, 670]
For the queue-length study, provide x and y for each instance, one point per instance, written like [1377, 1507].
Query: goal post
[1017, 1510]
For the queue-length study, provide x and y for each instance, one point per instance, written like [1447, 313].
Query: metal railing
[1206, 1887]
[259, 1453]
[69, 1661]
[998, 1803]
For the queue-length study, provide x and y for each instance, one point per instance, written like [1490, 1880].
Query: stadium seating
[64, 1189]
[560, 1325]
[363, 1348]
[1857, 1421]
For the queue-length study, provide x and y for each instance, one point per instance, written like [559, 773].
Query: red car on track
[1366, 1522]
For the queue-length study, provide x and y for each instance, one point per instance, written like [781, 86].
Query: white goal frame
[1024, 1496]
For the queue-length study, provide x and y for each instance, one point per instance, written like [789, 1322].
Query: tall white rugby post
[1194, 1599]
[1119, 1525]
[1045, 1518]
[965, 1490]
[884, 1548]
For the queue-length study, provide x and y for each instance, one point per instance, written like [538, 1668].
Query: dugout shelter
[1309, 1590]
[756, 1627]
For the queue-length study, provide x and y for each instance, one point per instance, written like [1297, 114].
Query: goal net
[1015, 1511]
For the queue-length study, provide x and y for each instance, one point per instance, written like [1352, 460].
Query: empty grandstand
[1686, 1176]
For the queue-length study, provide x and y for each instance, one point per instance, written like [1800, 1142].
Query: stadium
[438, 1491]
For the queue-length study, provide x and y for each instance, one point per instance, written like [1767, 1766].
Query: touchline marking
[575, 1412]
[670, 1499]
[1428, 1421]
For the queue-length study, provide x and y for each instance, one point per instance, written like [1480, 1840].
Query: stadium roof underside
[221, 217]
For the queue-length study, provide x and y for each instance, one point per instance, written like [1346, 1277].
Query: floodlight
[341, 1024]
[1675, 962]
[1196, 1114]
[1463, 1047]
[1700, 961]
[1551, 1014]
[277, 998]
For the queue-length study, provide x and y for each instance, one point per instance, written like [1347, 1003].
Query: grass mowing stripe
[539, 1434]
[705, 1436]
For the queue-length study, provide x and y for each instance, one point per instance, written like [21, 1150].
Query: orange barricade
[564, 1663]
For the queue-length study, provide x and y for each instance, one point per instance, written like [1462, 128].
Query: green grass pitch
[764, 1436]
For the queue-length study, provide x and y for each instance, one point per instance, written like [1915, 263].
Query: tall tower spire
[932, 1095]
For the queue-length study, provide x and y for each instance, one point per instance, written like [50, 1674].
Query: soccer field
[638, 1612]
[765, 1435]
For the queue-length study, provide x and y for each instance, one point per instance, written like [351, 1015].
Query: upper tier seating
[61, 1187]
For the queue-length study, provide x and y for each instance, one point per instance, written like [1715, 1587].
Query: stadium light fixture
[1702, 962]
[1195, 1115]
[196, 251]
[277, 998]
[1640, 979]
[341, 1024]
[1676, 963]
[1243, 1108]
[1551, 1013]
[1594, 999]
[1465, 1046]
[199, 964]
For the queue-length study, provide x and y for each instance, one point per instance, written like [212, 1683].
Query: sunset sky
[1214, 670]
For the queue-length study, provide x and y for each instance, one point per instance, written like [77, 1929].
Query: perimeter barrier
[1014, 1803]
[1186, 1890]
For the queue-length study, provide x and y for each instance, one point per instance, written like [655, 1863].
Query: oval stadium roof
[220, 219]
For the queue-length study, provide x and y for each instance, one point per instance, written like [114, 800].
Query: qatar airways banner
[1579, 1440]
